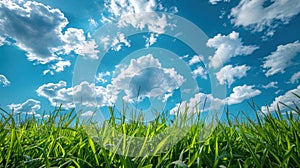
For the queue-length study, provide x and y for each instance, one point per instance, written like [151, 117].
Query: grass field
[62, 141]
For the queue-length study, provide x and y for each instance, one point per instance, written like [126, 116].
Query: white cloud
[100, 77]
[38, 30]
[145, 77]
[227, 47]
[88, 114]
[30, 106]
[200, 71]
[151, 40]
[196, 59]
[93, 23]
[2, 40]
[228, 74]
[214, 2]
[85, 94]
[295, 77]
[252, 14]
[280, 59]
[119, 41]
[241, 93]
[270, 85]
[288, 98]
[4, 81]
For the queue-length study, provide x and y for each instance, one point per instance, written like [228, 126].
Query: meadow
[61, 140]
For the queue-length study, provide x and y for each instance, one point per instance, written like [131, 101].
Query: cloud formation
[270, 85]
[280, 59]
[288, 98]
[258, 15]
[38, 29]
[295, 77]
[200, 71]
[30, 106]
[196, 59]
[241, 93]
[228, 74]
[4, 81]
[84, 94]
[145, 77]
[227, 46]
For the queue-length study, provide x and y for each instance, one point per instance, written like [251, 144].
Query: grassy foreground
[269, 141]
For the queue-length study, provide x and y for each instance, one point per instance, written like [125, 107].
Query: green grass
[62, 141]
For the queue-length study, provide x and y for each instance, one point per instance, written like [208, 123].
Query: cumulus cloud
[200, 71]
[30, 106]
[38, 29]
[196, 59]
[228, 74]
[101, 77]
[240, 94]
[270, 85]
[119, 41]
[227, 47]
[295, 77]
[151, 40]
[85, 94]
[4, 81]
[288, 98]
[214, 2]
[88, 113]
[280, 59]
[145, 77]
[254, 14]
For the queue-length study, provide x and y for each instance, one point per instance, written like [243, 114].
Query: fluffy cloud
[200, 71]
[281, 58]
[295, 77]
[38, 30]
[151, 40]
[85, 94]
[100, 77]
[270, 85]
[252, 13]
[196, 59]
[4, 81]
[30, 106]
[119, 41]
[241, 93]
[227, 47]
[214, 2]
[145, 77]
[288, 98]
[88, 114]
[228, 74]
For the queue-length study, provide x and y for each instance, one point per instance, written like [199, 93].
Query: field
[271, 140]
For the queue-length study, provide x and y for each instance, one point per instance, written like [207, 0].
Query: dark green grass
[61, 141]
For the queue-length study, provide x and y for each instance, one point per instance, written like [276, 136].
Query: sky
[153, 55]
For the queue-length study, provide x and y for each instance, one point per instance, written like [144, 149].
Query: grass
[61, 140]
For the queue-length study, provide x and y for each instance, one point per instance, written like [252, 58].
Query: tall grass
[61, 140]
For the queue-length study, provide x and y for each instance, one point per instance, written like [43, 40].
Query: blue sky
[162, 54]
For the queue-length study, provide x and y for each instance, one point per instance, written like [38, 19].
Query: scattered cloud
[227, 47]
[241, 93]
[280, 59]
[200, 71]
[258, 15]
[88, 114]
[4, 81]
[2, 40]
[85, 94]
[145, 77]
[270, 85]
[100, 77]
[119, 41]
[228, 74]
[151, 40]
[288, 98]
[214, 2]
[295, 77]
[38, 29]
[30, 106]
[196, 59]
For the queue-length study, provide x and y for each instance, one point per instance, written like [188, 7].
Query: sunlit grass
[60, 140]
